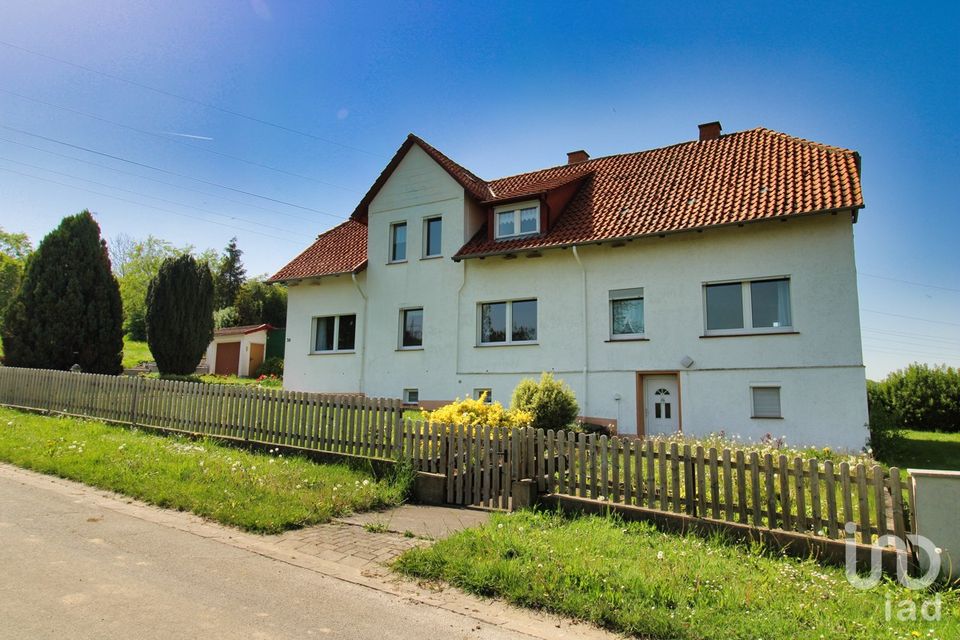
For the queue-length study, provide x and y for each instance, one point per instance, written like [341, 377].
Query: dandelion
[500, 526]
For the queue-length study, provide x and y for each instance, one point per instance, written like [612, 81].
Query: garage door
[228, 358]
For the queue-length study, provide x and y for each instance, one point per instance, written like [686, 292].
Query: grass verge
[257, 492]
[135, 352]
[928, 450]
[634, 579]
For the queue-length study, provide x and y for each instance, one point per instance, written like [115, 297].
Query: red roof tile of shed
[737, 178]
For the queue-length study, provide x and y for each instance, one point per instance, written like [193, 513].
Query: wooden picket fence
[481, 463]
[355, 425]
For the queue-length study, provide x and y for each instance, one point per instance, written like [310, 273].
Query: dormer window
[522, 219]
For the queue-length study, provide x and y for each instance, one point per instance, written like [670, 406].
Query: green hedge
[920, 397]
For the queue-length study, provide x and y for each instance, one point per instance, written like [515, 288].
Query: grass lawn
[632, 578]
[257, 492]
[135, 352]
[928, 450]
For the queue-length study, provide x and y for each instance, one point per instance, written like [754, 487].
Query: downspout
[363, 352]
[463, 283]
[586, 341]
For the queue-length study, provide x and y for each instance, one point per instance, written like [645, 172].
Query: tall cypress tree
[180, 314]
[67, 310]
[230, 275]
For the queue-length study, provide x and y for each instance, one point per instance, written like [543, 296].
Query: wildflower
[366, 482]
[660, 555]
[500, 526]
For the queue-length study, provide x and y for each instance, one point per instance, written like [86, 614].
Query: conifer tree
[230, 275]
[67, 310]
[180, 314]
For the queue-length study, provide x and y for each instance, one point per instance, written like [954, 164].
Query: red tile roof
[741, 177]
[242, 330]
[737, 178]
[342, 249]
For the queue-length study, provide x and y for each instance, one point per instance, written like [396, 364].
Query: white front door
[661, 404]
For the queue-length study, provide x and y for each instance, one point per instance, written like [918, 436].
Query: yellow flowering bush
[474, 413]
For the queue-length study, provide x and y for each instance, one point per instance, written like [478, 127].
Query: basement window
[766, 402]
[411, 396]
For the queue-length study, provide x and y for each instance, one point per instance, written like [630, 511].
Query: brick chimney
[709, 131]
[577, 156]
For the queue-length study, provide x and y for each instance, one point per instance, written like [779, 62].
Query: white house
[707, 286]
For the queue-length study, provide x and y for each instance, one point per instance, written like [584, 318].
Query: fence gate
[481, 464]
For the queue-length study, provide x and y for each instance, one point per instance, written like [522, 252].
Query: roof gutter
[854, 210]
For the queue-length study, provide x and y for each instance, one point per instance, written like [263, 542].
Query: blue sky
[268, 120]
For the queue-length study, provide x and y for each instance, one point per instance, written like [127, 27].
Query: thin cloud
[188, 135]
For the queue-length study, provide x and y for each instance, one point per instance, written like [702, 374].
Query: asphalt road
[70, 568]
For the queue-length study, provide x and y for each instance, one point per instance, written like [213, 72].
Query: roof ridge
[805, 141]
[424, 143]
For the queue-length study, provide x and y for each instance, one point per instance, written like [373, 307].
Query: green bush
[271, 367]
[922, 398]
[67, 309]
[226, 317]
[551, 402]
[180, 314]
[886, 436]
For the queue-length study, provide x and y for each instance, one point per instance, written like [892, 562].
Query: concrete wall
[818, 366]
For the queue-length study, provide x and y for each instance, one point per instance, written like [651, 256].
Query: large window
[520, 221]
[334, 333]
[432, 233]
[626, 314]
[766, 402]
[398, 242]
[748, 307]
[411, 328]
[511, 322]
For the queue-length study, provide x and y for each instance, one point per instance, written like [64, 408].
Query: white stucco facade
[816, 365]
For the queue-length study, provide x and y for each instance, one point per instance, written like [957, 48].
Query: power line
[144, 195]
[913, 345]
[168, 171]
[188, 99]
[897, 315]
[141, 204]
[179, 142]
[911, 282]
[158, 181]
[905, 334]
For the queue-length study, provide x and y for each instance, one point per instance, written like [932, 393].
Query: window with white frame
[748, 306]
[432, 234]
[517, 220]
[411, 328]
[508, 322]
[398, 242]
[626, 314]
[766, 402]
[411, 396]
[334, 333]
[484, 392]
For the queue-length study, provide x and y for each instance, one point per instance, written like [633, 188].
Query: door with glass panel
[661, 404]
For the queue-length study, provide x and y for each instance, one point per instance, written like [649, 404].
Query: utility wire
[168, 171]
[141, 204]
[158, 181]
[917, 336]
[170, 94]
[897, 315]
[911, 282]
[145, 195]
[179, 142]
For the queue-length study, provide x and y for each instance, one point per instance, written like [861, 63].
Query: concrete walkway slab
[421, 521]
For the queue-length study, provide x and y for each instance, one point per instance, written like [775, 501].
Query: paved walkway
[80, 562]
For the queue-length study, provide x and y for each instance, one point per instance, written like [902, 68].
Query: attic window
[515, 220]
